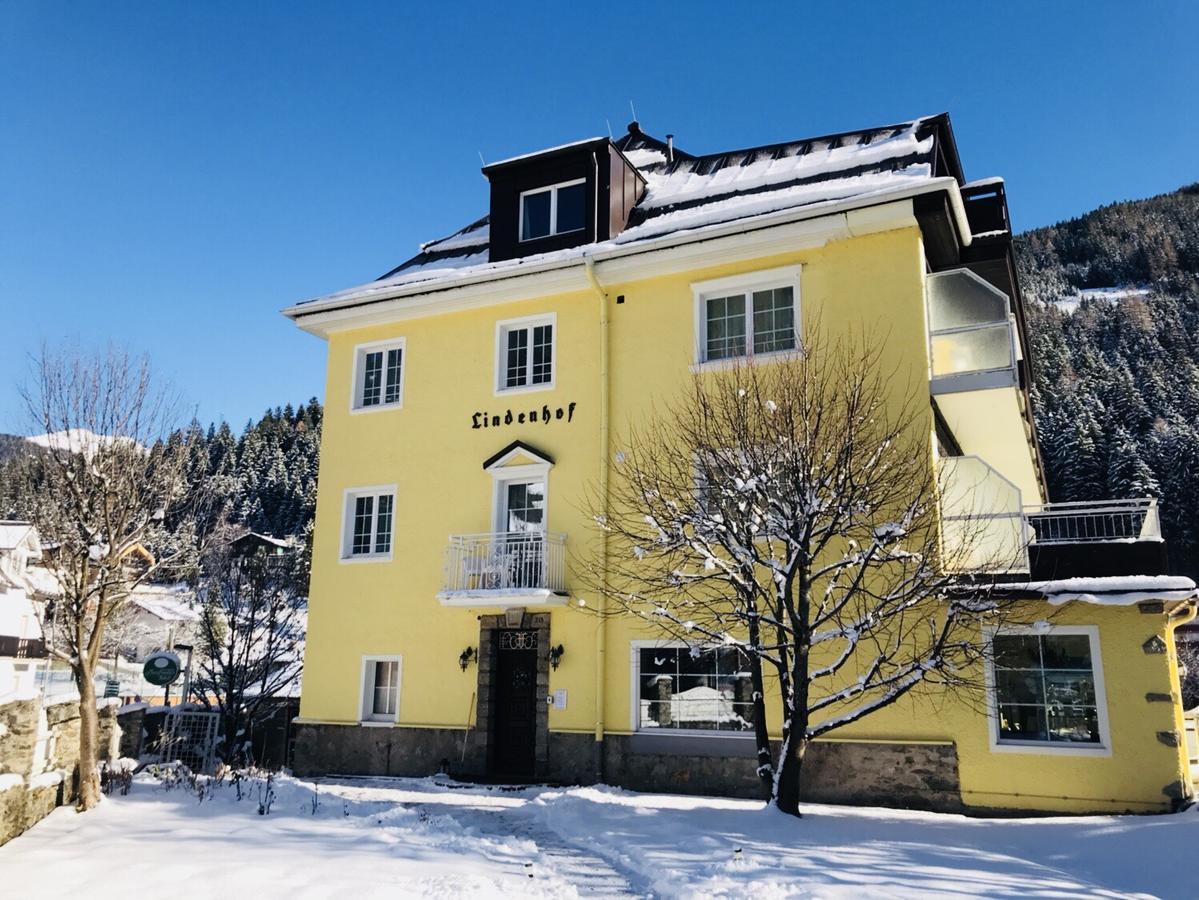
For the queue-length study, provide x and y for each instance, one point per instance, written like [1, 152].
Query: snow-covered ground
[406, 837]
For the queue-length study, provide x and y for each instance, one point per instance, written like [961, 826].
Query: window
[1048, 688]
[679, 689]
[747, 316]
[369, 519]
[380, 688]
[526, 354]
[379, 375]
[557, 209]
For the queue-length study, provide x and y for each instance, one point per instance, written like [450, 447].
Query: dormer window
[557, 209]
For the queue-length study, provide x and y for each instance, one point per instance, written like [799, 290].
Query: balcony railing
[1095, 522]
[520, 563]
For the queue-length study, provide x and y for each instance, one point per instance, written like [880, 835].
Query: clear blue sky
[172, 174]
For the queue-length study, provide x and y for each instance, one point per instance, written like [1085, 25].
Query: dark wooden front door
[515, 703]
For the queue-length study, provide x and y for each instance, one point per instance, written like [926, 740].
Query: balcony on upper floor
[972, 334]
[506, 568]
[986, 529]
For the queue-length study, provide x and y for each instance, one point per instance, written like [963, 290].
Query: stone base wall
[24, 804]
[916, 776]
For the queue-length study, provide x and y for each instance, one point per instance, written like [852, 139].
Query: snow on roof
[512, 159]
[14, 534]
[691, 192]
[169, 602]
[1121, 590]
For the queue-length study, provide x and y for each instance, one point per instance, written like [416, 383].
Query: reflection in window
[744, 324]
[1045, 688]
[523, 368]
[706, 690]
[557, 209]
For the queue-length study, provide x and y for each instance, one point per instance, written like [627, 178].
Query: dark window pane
[543, 363]
[1022, 723]
[1070, 688]
[363, 513]
[572, 208]
[372, 378]
[394, 361]
[1017, 651]
[1078, 725]
[660, 660]
[535, 215]
[383, 524]
[518, 358]
[1067, 651]
[774, 320]
[726, 327]
[1019, 686]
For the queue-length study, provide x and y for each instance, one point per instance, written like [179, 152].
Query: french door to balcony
[522, 521]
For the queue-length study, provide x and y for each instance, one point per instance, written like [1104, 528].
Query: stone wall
[908, 775]
[26, 796]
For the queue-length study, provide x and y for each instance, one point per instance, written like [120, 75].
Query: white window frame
[635, 648]
[349, 496]
[366, 697]
[359, 374]
[502, 328]
[553, 192]
[747, 283]
[1103, 748]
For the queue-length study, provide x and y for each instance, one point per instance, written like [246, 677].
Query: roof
[169, 602]
[687, 192]
[1120, 590]
[14, 534]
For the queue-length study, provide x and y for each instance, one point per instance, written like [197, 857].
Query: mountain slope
[1113, 301]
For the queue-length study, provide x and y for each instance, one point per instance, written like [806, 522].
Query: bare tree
[112, 477]
[789, 511]
[251, 634]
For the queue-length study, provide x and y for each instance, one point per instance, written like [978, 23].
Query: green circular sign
[161, 668]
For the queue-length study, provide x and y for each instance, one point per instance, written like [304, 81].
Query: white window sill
[696, 733]
[525, 389]
[734, 362]
[378, 723]
[1047, 748]
[366, 558]
[376, 407]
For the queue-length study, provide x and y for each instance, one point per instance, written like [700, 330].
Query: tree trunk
[89, 736]
[787, 783]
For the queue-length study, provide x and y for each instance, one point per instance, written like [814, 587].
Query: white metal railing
[1095, 521]
[505, 561]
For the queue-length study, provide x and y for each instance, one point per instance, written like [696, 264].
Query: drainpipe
[601, 637]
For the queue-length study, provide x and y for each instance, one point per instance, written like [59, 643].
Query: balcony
[972, 332]
[506, 568]
[1096, 539]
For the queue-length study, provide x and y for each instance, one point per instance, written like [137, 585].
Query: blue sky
[175, 173]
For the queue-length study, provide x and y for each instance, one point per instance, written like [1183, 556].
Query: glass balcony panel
[972, 351]
[982, 523]
[959, 300]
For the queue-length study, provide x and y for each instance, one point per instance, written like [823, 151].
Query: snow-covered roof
[78, 440]
[15, 534]
[169, 602]
[685, 192]
[1120, 590]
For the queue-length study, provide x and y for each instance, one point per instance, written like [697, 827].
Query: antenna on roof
[609, 124]
[633, 110]
[481, 159]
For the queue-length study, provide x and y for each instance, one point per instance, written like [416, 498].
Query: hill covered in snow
[1113, 301]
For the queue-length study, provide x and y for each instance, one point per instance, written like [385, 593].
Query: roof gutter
[376, 293]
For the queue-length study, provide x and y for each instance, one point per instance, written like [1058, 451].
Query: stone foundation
[916, 776]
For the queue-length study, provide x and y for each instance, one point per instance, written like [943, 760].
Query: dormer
[566, 196]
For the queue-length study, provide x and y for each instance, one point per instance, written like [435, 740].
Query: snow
[46, 779]
[510, 159]
[1124, 590]
[431, 837]
[77, 440]
[10, 780]
[1071, 302]
[644, 157]
[984, 182]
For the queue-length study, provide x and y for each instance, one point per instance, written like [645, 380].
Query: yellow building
[475, 395]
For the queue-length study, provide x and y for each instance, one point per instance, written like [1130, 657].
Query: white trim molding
[745, 284]
[364, 717]
[349, 495]
[1051, 748]
[358, 373]
[502, 328]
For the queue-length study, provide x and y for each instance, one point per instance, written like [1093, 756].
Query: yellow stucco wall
[429, 450]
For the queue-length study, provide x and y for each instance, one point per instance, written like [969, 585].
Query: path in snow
[589, 874]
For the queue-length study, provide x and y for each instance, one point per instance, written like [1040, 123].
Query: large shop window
[1048, 689]
[379, 375]
[380, 688]
[369, 521]
[526, 354]
[682, 690]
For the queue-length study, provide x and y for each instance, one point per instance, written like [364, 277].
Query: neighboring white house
[22, 643]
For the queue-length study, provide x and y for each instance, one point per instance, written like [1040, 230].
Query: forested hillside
[264, 478]
[1113, 300]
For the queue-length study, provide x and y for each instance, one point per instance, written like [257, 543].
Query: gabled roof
[690, 191]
